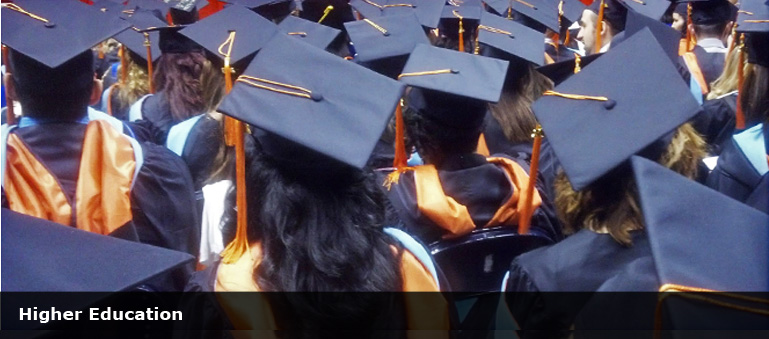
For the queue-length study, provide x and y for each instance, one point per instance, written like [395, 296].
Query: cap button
[50, 24]
[609, 104]
[316, 96]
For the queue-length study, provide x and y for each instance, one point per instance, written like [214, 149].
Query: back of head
[60, 93]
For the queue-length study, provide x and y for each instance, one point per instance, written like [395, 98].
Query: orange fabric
[599, 27]
[238, 277]
[107, 165]
[528, 209]
[452, 216]
[696, 72]
[102, 194]
[30, 188]
[482, 149]
[739, 115]
[683, 46]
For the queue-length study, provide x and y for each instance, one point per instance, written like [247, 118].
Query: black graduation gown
[157, 110]
[562, 54]
[201, 147]
[716, 121]
[711, 64]
[736, 177]
[582, 262]
[160, 197]
[498, 143]
[473, 182]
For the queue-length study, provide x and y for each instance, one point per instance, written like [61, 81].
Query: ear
[95, 91]
[10, 87]
[728, 29]
[604, 28]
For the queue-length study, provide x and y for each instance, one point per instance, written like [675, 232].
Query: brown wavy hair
[136, 85]
[513, 111]
[754, 98]
[610, 204]
[178, 76]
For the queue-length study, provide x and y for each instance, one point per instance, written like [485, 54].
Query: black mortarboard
[383, 39]
[330, 119]
[313, 33]
[112, 7]
[55, 31]
[667, 37]
[427, 11]
[185, 12]
[252, 32]
[314, 10]
[449, 24]
[270, 9]
[572, 9]
[654, 9]
[752, 16]
[42, 256]
[700, 237]
[449, 86]
[614, 12]
[708, 12]
[560, 71]
[541, 11]
[593, 136]
[134, 40]
[511, 38]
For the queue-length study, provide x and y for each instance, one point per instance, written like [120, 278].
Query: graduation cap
[572, 10]
[666, 36]
[185, 12]
[116, 8]
[313, 33]
[53, 32]
[134, 39]
[654, 9]
[456, 19]
[560, 71]
[752, 16]
[270, 9]
[427, 11]
[614, 12]
[452, 87]
[510, 40]
[333, 13]
[235, 29]
[594, 123]
[312, 121]
[677, 208]
[543, 12]
[384, 43]
[43, 256]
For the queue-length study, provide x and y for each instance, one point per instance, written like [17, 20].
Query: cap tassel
[461, 32]
[10, 115]
[233, 136]
[150, 72]
[524, 220]
[739, 122]
[401, 158]
[123, 65]
[328, 9]
[599, 28]
[577, 63]
[691, 40]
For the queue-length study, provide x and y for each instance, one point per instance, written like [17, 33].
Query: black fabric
[736, 177]
[201, 149]
[157, 110]
[161, 202]
[711, 64]
[716, 122]
[562, 268]
[560, 54]
[481, 186]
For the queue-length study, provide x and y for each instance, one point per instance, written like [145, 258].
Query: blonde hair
[610, 204]
[136, 85]
[728, 81]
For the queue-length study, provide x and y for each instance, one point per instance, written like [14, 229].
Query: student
[711, 25]
[613, 23]
[63, 165]
[594, 126]
[457, 190]
[315, 215]
[742, 168]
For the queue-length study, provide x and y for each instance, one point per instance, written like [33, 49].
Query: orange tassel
[739, 122]
[147, 43]
[239, 245]
[527, 210]
[599, 28]
[10, 116]
[690, 38]
[461, 37]
[123, 65]
[401, 157]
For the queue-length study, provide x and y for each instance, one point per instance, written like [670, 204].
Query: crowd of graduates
[522, 146]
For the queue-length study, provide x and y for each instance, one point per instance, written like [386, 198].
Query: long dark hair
[523, 86]
[754, 98]
[178, 77]
[317, 235]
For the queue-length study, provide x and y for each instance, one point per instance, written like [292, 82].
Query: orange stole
[103, 188]
[452, 216]
[694, 68]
